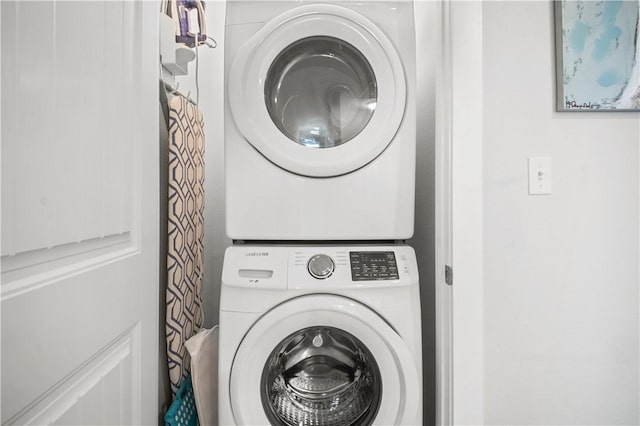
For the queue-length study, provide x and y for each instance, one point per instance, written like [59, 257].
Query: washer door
[323, 360]
[319, 90]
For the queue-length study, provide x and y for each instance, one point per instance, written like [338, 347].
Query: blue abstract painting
[598, 55]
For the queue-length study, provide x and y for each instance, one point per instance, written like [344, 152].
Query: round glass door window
[320, 92]
[321, 376]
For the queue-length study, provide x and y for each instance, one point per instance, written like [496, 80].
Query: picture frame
[597, 55]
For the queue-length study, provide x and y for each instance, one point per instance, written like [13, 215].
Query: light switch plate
[539, 175]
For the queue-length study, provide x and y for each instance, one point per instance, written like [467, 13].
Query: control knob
[320, 266]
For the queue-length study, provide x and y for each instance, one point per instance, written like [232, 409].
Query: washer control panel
[319, 268]
[373, 265]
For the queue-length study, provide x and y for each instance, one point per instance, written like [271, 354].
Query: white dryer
[320, 336]
[319, 120]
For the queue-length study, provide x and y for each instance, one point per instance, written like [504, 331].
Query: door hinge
[448, 274]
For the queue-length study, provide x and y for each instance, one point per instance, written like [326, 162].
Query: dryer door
[323, 360]
[319, 90]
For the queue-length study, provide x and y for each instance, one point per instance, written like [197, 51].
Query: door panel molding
[38, 268]
[115, 368]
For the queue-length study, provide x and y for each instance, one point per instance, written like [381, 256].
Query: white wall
[210, 81]
[561, 280]
[423, 239]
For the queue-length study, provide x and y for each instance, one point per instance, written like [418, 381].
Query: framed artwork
[597, 55]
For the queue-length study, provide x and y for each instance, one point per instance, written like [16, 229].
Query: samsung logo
[257, 253]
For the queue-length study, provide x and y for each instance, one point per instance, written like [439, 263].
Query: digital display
[373, 265]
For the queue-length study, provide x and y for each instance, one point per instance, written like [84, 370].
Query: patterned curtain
[185, 234]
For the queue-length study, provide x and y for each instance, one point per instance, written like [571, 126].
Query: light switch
[539, 175]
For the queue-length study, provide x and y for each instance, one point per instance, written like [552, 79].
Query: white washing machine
[319, 120]
[320, 335]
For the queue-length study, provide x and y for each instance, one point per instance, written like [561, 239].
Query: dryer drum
[320, 92]
[321, 376]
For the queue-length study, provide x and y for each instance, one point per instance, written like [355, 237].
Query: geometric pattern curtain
[186, 234]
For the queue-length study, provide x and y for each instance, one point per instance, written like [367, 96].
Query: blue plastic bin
[182, 411]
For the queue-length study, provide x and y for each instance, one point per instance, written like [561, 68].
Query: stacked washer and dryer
[320, 303]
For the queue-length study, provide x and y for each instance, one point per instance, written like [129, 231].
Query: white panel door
[79, 212]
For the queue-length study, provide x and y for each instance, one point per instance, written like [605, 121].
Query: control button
[320, 266]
